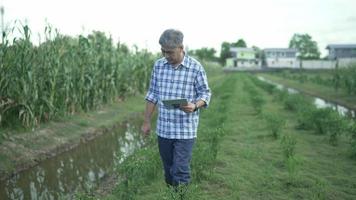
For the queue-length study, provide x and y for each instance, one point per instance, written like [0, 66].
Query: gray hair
[171, 38]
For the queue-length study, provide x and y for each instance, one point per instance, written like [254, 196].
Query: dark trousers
[176, 155]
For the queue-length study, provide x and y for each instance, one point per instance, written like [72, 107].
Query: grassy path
[249, 162]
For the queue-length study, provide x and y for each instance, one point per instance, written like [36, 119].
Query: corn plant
[64, 75]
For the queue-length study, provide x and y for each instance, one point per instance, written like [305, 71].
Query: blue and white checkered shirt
[188, 81]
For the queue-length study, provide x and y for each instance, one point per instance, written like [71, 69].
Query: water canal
[318, 102]
[80, 169]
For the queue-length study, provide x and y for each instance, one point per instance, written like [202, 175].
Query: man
[176, 76]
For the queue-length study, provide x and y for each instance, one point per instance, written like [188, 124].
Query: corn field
[64, 75]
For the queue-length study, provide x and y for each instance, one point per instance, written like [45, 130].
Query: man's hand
[146, 128]
[189, 108]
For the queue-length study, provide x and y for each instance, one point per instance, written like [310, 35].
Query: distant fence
[301, 64]
[345, 62]
[327, 64]
[318, 64]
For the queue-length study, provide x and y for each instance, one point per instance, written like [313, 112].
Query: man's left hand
[189, 108]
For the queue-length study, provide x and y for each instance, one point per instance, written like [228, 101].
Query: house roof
[341, 46]
[280, 50]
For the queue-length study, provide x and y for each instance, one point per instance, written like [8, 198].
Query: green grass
[326, 92]
[250, 163]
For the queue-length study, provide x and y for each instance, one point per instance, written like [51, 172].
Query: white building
[243, 58]
[281, 58]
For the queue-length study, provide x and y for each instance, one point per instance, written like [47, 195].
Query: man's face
[173, 55]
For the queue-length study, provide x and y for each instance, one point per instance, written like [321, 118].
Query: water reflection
[80, 169]
[318, 102]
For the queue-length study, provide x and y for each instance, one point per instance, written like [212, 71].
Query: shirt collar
[184, 62]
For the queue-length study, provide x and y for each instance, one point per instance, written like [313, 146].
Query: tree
[225, 49]
[307, 48]
[239, 43]
[259, 52]
[205, 53]
[225, 52]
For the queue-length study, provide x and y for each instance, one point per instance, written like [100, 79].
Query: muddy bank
[80, 166]
[32, 156]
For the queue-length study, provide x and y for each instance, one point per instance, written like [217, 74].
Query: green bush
[326, 121]
[275, 124]
[138, 169]
[294, 102]
[305, 117]
[205, 152]
[320, 120]
[281, 95]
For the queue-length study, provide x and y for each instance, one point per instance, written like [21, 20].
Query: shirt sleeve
[152, 94]
[202, 87]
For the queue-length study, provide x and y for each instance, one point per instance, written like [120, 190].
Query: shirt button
[172, 81]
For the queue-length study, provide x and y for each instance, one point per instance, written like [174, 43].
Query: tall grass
[64, 75]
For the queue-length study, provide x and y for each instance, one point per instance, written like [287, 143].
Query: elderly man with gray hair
[176, 76]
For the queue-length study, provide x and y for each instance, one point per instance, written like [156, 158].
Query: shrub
[305, 117]
[138, 169]
[294, 102]
[275, 123]
[326, 121]
[281, 95]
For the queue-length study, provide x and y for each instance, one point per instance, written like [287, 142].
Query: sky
[205, 23]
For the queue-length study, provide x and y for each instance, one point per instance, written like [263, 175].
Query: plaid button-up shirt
[188, 81]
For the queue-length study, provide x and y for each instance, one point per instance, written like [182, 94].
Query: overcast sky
[205, 23]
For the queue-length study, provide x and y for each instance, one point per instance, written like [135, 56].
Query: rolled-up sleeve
[152, 94]
[202, 87]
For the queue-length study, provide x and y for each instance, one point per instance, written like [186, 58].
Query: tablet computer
[174, 103]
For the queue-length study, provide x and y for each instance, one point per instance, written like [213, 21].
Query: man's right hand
[146, 128]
